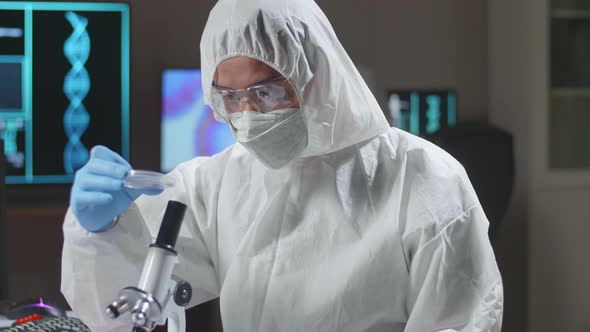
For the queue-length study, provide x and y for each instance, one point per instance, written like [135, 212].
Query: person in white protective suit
[320, 218]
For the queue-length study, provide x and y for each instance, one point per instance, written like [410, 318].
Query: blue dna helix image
[76, 87]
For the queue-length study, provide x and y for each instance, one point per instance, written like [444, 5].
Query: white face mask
[274, 138]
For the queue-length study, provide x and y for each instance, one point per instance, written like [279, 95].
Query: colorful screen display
[189, 128]
[422, 112]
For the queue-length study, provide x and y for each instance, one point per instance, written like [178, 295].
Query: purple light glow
[40, 305]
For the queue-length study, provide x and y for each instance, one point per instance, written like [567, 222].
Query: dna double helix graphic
[9, 129]
[76, 86]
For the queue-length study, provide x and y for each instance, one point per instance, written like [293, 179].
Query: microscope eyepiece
[171, 223]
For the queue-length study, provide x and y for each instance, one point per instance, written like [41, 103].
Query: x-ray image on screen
[189, 128]
[421, 112]
[64, 76]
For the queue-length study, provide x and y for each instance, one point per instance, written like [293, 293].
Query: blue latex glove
[98, 194]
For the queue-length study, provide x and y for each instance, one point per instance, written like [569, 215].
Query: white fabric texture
[247, 125]
[372, 229]
[275, 138]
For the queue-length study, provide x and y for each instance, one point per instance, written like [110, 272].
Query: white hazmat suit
[371, 229]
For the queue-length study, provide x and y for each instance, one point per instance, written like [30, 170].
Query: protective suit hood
[295, 38]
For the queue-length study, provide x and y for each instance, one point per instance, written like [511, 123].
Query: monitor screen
[64, 76]
[3, 232]
[189, 128]
[421, 112]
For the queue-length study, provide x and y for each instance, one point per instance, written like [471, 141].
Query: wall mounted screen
[64, 82]
[422, 112]
[189, 128]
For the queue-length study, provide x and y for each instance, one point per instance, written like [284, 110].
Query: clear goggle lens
[263, 97]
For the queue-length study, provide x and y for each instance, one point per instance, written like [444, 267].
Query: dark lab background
[493, 53]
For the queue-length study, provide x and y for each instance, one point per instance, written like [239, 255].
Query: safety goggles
[265, 96]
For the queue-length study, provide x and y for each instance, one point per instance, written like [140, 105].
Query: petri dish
[141, 179]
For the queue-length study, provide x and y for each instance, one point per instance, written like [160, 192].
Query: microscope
[160, 295]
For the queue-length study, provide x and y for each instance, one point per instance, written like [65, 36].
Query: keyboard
[50, 324]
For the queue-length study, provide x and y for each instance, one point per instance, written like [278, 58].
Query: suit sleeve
[455, 284]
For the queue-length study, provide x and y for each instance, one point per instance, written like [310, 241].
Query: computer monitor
[422, 112]
[64, 86]
[188, 127]
[3, 231]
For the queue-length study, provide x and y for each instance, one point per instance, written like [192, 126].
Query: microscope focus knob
[183, 292]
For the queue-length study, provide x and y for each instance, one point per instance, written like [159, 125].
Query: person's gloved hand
[98, 194]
